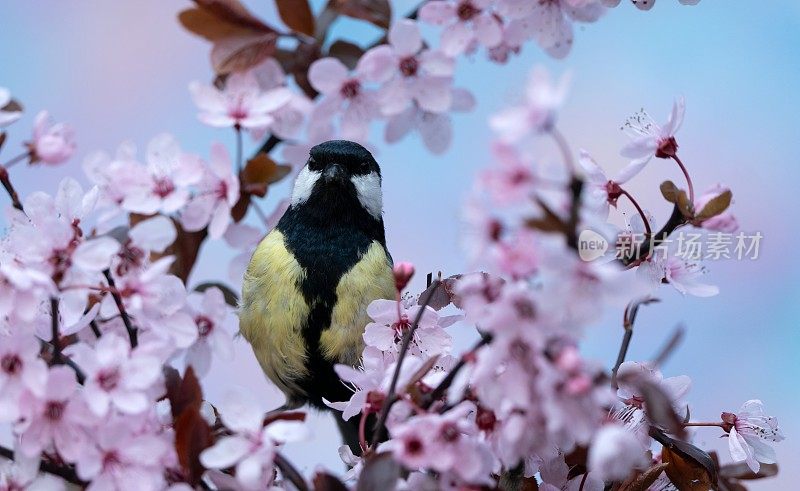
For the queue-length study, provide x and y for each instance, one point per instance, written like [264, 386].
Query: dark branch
[12, 193]
[675, 221]
[446, 382]
[290, 472]
[121, 307]
[63, 471]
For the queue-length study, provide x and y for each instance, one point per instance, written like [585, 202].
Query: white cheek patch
[368, 189]
[303, 185]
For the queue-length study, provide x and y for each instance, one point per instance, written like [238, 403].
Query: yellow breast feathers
[273, 313]
[371, 278]
[274, 310]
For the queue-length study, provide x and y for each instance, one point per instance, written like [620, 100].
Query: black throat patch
[328, 234]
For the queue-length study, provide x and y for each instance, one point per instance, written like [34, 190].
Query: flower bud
[402, 274]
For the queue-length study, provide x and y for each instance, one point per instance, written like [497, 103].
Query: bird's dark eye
[363, 167]
[314, 165]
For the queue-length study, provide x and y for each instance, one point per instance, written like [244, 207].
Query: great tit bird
[309, 282]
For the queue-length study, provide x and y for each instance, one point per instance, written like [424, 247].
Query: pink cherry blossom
[115, 177]
[367, 382]
[409, 72]
[538, 111]
[241, 104]
[23, 473]
[58, 417]
[750, 428]
[630, 375]
[682, 273]
[649, 138]
[252, 446]
[244, 239]
[52, 143]
[7, 115]
[217, 192]
[21, 289]
[512, 180]
[346, 93]
[288, 118]
[151, 235]
[124, 456]
[435, 129]
[215, 322]
[393, 319]
[614, 453]
[21, 370]
[465, 22]
[445, 443]
[549, 23]
[166, 181]
[116, 376]
[600, 190]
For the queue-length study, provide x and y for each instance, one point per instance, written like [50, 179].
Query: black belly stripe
[327, 235]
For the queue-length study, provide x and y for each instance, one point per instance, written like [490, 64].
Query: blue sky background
[119, 70]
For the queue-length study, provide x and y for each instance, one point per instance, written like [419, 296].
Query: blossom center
[11, 364]
[54, 410]
[111, 459]
[130, 257]
[414, 446]
[449, 433]
[163, 187]
[614, 191]
[466, 11]
[204, 325]
[351, 89]
[409, 66]
[108, 379]
[486, 420]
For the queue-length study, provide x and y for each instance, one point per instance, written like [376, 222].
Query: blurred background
[119, 71]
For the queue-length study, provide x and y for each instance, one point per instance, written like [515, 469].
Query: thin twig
[563, 146]
[239, 163]
[12, 193]
[95, 329]
[673, 342]
[628, 319]
[675, 221]
[688, 179]
[446, 382]
[64, 472]
[390, 396]
[630, 197]
[16, 159]
[121, 307]
[290, 472]
[55, 337]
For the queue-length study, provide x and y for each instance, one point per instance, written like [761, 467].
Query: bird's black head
[342, 176]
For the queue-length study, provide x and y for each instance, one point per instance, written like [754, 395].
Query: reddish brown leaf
[184, 394]
[327, 482]
[643, 480]
[346, 52]
[207, 25]
[192, 436]
[240, 53]
[185, 249]
[686, 473]
[2, 139]
[284, 416]
[260, 172]
[444, 294]
[378, 12]
[297, 15]
[716, 205]
[670, 191]
[742, 472]
[234, 12]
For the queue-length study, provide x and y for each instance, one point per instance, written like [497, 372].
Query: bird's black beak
[335, 174]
